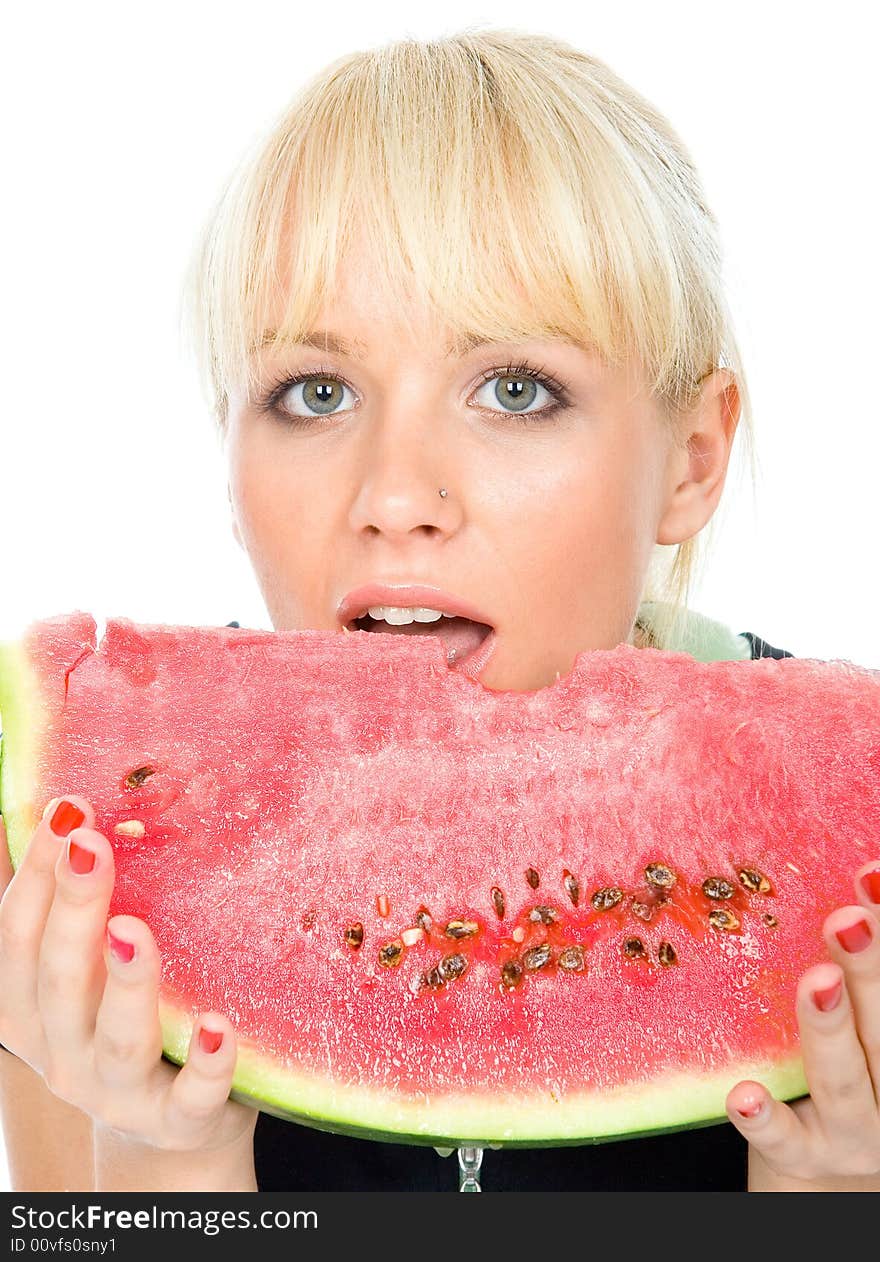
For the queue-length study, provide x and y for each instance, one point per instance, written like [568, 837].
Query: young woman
[463, 329]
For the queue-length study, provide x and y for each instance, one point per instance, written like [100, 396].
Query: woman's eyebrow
[320, 339]
[325, 340]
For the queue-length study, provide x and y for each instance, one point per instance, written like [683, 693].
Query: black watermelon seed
[511, 973]
[497, 901]
[452, 966]
[572, 886]
[135, 778]
[532, 877]
[722, 919]
[544, 915]
[536, 957]
[461, 929]
[354, 936]
[571, 958]
[605, 899]
[660, 876]
[717, 887]
[633, 948]
[667, 954]
[754, 881]
[391, 954]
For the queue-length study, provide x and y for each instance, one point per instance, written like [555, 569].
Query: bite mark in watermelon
[443, 915]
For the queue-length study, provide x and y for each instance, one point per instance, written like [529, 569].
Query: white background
[120, 125]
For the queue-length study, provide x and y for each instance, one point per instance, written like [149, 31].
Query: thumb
[6, 872]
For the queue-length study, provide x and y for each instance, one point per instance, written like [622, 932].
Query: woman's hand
[88, 1021]
[834, 1134]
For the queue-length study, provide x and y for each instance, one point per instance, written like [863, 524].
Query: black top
[760, 648]
[296, 1158]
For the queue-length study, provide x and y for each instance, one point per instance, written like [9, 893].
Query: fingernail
[67, 817]
[828, 998]
[210, 1040]
[123, 951]
[751, 1110]
[81, 859]
[871, 885]
[855, 937]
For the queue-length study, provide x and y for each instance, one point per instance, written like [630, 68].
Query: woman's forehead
[357, 319]
[368, 299]
[360, 314]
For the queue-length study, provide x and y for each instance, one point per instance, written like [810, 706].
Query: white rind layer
[508, 1119]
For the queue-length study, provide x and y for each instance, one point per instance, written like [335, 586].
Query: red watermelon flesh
[442, 914]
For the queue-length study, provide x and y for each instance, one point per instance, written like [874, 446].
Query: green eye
[517, 387]
[323, 394]
[516, 393]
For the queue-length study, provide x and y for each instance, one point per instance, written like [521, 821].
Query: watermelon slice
[443, 915]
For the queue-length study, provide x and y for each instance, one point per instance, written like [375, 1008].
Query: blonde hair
[465, 162]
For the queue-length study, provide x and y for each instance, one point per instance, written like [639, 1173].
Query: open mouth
[463, 639]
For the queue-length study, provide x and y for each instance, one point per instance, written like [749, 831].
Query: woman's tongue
[458, 634]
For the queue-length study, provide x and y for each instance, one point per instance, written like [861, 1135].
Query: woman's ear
[698, 471]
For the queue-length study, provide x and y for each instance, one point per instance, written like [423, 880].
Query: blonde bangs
[513, 185]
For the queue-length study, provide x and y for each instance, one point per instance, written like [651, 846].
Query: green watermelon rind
[667, 1103]
[19, 695]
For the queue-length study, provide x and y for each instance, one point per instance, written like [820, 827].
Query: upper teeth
[399, 617]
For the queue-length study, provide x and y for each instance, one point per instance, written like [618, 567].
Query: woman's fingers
[200, 1089]
[32, 887]
[6, 872]
[838, 1009]
[842, 1112]
[72, 974]
[834, 1062]
[853, 938]
[23, 915]
[867, 883]
[83, 993]
[128, 1035]
[191, 1108]
[772, 1127]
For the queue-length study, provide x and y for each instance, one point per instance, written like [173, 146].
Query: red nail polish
[751, 1110]
[122, 950]
[80, 859]
[870, 883]
[66, 817]
[828, 998]
[210, 1040]
[855, 937]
